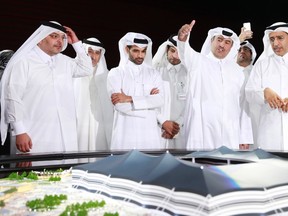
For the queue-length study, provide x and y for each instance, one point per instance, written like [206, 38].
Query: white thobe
[251, 110]
[271, 72]
[40, 101]
[135, 124]
[94, 112]
[175, 99]
[212, 115]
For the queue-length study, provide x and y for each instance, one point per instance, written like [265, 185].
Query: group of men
[180, 98]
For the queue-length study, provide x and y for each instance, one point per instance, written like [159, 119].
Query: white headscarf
[138, 39]
[226, 33]
[251, 47]
[276, 27]
[95, 44]
[160, 57]
[43, 31]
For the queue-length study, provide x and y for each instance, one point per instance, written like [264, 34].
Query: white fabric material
[212, 114]
[135, 124]
[267, 51]
[251, 47]
[206, 48]
[251, 110]
[128, 40]
[94, 107]
[175, 93]
[102, 65]
[160, 57]
[270, 72]
[37, 94]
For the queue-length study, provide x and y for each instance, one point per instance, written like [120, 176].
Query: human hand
[71, 36]
[285, 105]
[243, 146]
[23, 142]
[273, 99]
[166, 135]
[120, 98]
[185, 31]
[245, 34]
[171, 127]
[154, 91]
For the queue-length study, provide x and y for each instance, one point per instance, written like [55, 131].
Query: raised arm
[185, 30]
[71, 35]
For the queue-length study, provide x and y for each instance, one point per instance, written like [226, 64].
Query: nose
[60, 41]
[175, 55]
[276, 41]
[141, 55]
[222, 43]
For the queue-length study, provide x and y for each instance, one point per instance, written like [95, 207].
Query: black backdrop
[109, 20]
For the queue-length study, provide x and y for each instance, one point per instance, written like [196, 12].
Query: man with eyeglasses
[37, 97]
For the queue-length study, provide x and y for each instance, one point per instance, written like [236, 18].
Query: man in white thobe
[93, 105]
[136, 92]
[245, 59]
[5, 56]
[213, 111]
[174, 75]
[37, 97]
[268, 87]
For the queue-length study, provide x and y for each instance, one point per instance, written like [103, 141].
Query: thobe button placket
[138, 79]
[220, 68]
[172, 75]
[51, 63]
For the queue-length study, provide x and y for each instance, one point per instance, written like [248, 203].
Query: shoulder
[152, 70]
[270, 61]
[116, 71]
[25, 61]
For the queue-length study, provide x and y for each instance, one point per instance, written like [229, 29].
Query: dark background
[109, 20]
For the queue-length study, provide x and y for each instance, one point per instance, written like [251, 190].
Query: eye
[57, 36]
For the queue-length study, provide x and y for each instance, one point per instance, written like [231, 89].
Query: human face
[136, 54]
[172, 55]
[244, 56]
[94, 55]
[221, 46]
[279, 42]
[53, 43]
